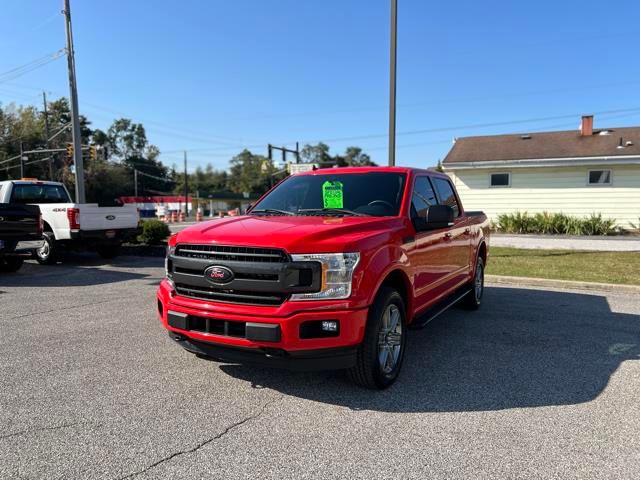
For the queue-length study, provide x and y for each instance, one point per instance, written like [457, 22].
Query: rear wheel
[380, 355]
[473, 299]
[49, 253]
[11, 264]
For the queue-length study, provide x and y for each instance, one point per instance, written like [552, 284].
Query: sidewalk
[567, 242]
[563, 284]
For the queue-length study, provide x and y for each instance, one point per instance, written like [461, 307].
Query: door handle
[467, 231]
[448, 236]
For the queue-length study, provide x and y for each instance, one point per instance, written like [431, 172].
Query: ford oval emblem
[218, 275]
[110, 217]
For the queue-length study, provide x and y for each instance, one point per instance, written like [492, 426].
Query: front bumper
[22, 248]
[304, 360]
[27, 247]
[262, 338]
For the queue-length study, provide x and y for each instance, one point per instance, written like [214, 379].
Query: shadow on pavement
[80, 270]
[524, 348]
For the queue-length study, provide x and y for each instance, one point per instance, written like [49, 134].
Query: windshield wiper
[330, 211]
[271, 211]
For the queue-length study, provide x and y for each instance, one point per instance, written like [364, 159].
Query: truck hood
[295, 234]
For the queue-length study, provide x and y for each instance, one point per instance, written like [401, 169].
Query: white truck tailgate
[93, 217]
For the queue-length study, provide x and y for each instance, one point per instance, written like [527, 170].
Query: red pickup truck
[326, 271]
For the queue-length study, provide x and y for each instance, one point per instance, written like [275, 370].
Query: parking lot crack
[62, 309]
[206, 442]
[40, 429]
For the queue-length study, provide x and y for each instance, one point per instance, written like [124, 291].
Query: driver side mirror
[438, 216]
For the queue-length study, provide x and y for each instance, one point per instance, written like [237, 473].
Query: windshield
[26, 193]
[376, 194]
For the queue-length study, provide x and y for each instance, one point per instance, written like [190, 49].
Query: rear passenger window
[446, 195]
[423, 197]
[26, 193]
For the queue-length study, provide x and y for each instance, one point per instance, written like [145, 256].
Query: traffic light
[69, 151]
[93, 152]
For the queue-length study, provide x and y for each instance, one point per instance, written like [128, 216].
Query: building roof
[545, 145]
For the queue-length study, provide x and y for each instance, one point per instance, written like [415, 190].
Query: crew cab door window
[446, 195]
[423, 198]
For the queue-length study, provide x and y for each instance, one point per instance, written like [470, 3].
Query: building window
[500, 180]
[599, 177]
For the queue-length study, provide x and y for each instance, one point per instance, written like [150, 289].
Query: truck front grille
[232, 253]
[261, 276]
[230, 296]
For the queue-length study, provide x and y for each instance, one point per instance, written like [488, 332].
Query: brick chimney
[586, 126]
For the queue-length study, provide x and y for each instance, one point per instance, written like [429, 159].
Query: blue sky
[215, 76]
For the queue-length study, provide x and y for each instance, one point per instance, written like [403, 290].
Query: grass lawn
[605, 267]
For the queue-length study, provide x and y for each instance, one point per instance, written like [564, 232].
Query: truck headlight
[167, 267]
[337, 275]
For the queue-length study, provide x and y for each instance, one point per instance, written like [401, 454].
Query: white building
[576, 172]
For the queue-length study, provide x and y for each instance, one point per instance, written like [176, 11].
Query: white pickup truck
[72, 225]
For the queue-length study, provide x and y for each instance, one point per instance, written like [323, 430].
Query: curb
[564, 284]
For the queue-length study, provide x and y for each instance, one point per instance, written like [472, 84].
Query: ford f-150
[326, 271]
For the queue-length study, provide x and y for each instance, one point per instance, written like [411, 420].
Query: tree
[126, 139]
[249, 173]
[355, 157]
[316, 153]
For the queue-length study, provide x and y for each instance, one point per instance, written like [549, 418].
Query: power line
[472, 126]
[31, 66]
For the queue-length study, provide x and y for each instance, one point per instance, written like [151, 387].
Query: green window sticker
[332, 194]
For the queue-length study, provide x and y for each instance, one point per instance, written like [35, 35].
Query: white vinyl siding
[553, 189]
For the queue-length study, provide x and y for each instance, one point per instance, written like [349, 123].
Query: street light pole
[392, 83]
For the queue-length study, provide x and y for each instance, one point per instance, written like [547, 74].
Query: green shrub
[556, 223]
[154, 232]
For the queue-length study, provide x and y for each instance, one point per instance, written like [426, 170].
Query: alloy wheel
[390, 339]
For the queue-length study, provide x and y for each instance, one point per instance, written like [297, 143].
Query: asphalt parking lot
[537, 384]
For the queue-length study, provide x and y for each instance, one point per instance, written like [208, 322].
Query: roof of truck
[30, 181]
[325, 171]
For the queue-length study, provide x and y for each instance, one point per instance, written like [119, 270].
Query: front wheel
[49, 253]
[473, 299]
[380, 355]
[11, 264]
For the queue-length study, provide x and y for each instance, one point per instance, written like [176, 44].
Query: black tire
[473, 299]
[49, 254]
[108, 251]
[368, 371]
[11, 264]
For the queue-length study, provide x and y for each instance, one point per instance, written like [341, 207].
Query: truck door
[431, 257]
[457, 237]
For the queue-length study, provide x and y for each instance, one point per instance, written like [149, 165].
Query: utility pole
[392, 83]
[73, 104]
[46, 132]
[186, 187]
[21, 160]
[135, 182]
